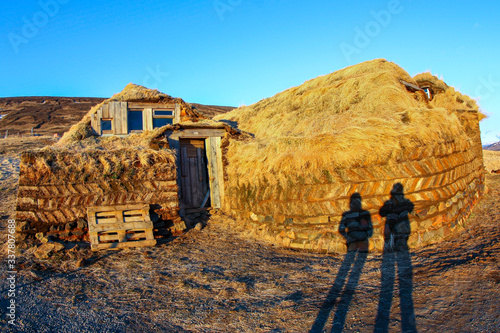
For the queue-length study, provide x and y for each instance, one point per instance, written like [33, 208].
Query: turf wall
[55, 191]
[443, 181]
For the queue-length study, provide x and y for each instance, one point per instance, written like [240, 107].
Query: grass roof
[50, 165]
[359, 115]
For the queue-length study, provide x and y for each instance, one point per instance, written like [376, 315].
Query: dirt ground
[221, 279]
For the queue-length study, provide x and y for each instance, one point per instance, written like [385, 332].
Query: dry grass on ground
[491, 160]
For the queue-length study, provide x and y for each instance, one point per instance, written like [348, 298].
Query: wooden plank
[210, 168]
[119, 216]
[105, 111]
[120, 226]
[95, 209]
[177, 114]
[184, 162]
[201, 164]
[98, 120]
[106, 220]
[213, 172]
[122, 235]
[193, 177]
[93, 122]
[136, 237]
[147, 119]
[107, 237]
[410, 86]
[142, 105]
[91, 219]
[123, 117]
[133, 212]
[116, 246]
[93, 239]
[187, 198]
[220, 172]
[128, 219]
[201, 133]
[106, 214]
[117, 117]
[111, 111]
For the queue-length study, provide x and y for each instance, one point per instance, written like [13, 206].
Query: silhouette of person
[396, 253]
[397, 226]
[356, 225]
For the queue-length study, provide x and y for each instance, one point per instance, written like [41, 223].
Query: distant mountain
[494, 146]
[50, 115]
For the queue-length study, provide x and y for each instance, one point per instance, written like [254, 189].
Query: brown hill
[494, 146]
[46, 115]
[211, 111]
[49, 115]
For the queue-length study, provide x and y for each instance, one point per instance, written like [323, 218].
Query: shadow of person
[356, 227]
[396, 232]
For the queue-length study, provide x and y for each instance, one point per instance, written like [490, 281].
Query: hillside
[494, 146]
[211, 111]
[46, 115]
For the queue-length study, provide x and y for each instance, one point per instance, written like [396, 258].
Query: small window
[164, 113]
[163, 117]
[134, 121]
[428, 92]
[106, 126]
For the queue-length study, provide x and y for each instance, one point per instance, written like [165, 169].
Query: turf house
[286, 167]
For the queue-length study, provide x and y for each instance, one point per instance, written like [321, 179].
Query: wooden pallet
[115, 227]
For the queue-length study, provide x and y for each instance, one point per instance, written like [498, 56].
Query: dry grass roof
[359, 115]
[51, 165]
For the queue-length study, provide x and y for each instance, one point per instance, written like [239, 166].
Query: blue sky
[234, 52]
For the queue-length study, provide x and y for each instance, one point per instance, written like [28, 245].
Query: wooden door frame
[213, 138]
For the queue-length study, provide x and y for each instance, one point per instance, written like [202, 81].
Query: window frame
[128, 120]
[110, 131]
[155, 116]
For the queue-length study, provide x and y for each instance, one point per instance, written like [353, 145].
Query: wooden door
[194, 172]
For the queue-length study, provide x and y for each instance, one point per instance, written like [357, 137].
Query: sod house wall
[56, 188]
[443, 181]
